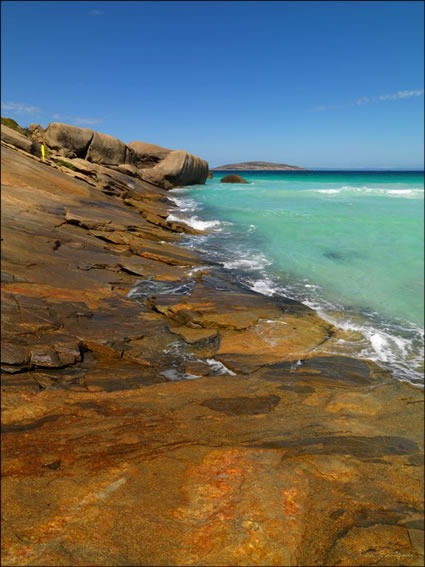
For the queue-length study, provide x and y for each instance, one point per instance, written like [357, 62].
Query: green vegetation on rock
[15, 126]
[66, 164]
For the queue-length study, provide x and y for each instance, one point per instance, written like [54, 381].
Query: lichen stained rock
[181, 420]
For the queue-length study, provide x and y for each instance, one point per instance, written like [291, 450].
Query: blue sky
[314, 84]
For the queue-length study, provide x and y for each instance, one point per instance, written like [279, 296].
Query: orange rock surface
[210, 427]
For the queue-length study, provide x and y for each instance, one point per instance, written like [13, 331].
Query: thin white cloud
[88, 121]
[82, 121]
[18, 107]
[369, 99]
[96, 13]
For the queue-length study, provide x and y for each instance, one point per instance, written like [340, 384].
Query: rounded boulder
[69, 141]
[233, 178]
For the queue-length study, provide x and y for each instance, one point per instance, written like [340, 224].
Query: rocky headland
[258, 166]
[153, 412]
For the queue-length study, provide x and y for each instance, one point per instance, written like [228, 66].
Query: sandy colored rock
[126, 442]
[106, 150]
[147, 154]
[177, 168]
[67, 140]
[228, 498]
[18, 140]
[288, 338]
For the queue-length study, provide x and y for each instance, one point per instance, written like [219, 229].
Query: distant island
[257, 166]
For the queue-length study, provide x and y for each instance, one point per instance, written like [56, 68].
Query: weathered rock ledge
[160, 166]
[280, 452]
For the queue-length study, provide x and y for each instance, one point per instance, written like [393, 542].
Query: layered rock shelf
[154, 413]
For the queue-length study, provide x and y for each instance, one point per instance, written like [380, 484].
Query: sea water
[348, 244]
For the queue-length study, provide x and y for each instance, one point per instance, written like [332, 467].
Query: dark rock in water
[210, 175]
[339, 256]
[233, 178]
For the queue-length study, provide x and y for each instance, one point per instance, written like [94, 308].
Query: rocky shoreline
[180, 428]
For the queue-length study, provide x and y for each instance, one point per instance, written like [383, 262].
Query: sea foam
[194, 222]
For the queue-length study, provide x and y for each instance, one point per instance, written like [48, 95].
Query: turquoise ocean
[349, 244]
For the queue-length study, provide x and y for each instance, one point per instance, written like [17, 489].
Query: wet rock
[195, 336]
[107, 461]
[361, 447]
[242, 364]
[23, 427]
[376, 544]
[298, 388]
[146, 288]
[284, 337]
[198, 368]
[341, 368]
[242, 405]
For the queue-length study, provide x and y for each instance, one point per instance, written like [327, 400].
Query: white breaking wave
[403, 191]
[219, 367]
[175, 375]
[194, 222]
[391, 345]
[382, 346]
[185, 204]
[413, 192]
[254, 262]
[265, 285]
[378, 344]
